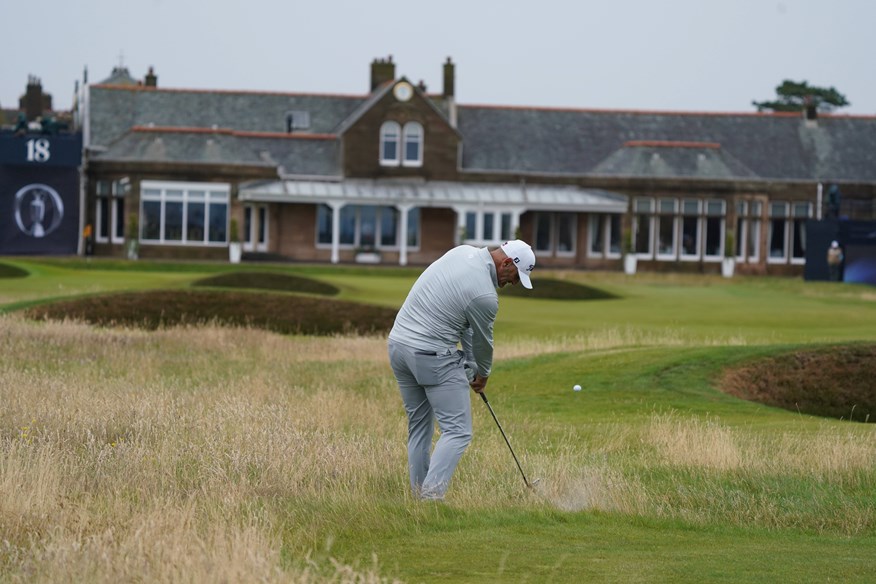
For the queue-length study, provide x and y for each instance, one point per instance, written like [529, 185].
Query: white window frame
[698, 242]
[554, 233]
[795, 221]
[479, 218]
[255, 227]
[643, 215]
[783, 259]
[610, 234]
[112, 193]
[672, 216]
[214, 194]
[390, 133]
[412, 134]
[721, 215]
[325, 212]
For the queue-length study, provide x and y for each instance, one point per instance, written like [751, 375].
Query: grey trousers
[433, 387]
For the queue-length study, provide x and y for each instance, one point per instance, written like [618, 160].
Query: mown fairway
[211, 454]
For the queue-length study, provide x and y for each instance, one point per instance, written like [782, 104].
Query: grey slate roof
[115, 110]
[305, 155]
[513, 140]
[585, 142]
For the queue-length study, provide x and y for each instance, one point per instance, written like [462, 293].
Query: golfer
[453, 301]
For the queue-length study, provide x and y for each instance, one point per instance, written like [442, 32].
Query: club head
[531, 484]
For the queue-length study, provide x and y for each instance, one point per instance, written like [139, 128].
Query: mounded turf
[281, 313]
[269, 281]
[550, 289]
[833, 382]
[7, 271]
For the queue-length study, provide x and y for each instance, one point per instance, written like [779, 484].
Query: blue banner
[39, 193]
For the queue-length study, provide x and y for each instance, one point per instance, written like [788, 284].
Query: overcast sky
[688, 55]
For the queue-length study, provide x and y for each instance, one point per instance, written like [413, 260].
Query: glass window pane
[195, 224]
[389, 139]
[713, 236]
[714, 208]
[777, 238]
[103, 217]
[247, 223]
[367, 226]
[323, 224]
[801, 209]
[218, 229]
[489, 219]
[506, 227]
[565, 232]
[470, 219]
[755, 208]
[150, 194]
[597, 234]
[691, 208]
[667, 206]
[753, 239]
[413, 137]
[642, 244]
[119, 206]
[173, 221]
[778, 210]
[414, 227]
[740, 237]
[666, 235]
[542, 232]
[263, 225]
[614, 234]
[151, 227]
[798, 250]
[348, 225]
[643, 205]
[389, 219]
[689, 242]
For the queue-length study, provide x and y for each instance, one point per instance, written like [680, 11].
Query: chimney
[151, 79]
[34, 102]
[449, 78]
[382, 70]
[810, 109]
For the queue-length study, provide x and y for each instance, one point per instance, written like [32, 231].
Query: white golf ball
[576, 388]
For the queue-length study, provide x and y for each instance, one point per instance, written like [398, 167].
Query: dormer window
[413, 144]
[401, 146]
[390, 133]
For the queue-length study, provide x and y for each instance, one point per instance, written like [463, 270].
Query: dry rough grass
[200, 453]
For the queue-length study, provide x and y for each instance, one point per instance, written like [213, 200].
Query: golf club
[530, 485]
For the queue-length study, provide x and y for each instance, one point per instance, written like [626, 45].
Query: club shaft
[492, 413]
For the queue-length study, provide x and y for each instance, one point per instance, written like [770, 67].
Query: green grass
[651, 473]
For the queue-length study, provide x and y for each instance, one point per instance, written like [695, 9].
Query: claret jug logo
[38, 210]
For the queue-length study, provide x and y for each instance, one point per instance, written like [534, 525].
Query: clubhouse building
[399, 174]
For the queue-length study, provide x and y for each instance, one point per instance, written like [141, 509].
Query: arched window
[413, 144]
[390, 133]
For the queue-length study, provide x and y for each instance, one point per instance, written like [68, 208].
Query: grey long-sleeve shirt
[453, 301]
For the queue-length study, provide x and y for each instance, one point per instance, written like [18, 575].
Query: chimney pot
[151, 79]
[382, 70]
[449, 78]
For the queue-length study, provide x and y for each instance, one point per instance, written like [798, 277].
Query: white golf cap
[523, 257]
